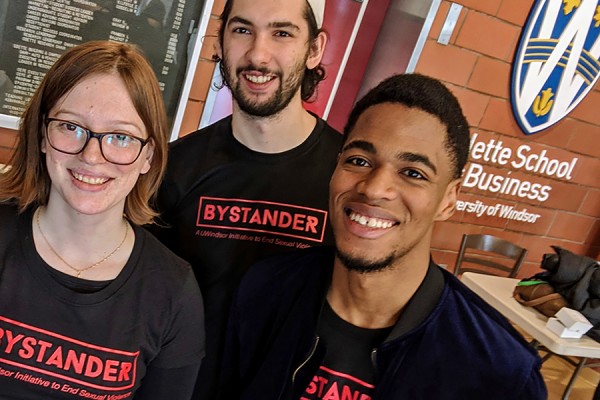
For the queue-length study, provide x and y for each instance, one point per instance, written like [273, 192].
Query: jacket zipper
[312, 352]
[374, 357]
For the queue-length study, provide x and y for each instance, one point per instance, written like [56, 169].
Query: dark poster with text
[34, 33]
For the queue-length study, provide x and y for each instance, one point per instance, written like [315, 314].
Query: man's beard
[279, 100]
[366, 266]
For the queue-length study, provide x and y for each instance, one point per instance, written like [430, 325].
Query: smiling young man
[255, 183]
[374, 317]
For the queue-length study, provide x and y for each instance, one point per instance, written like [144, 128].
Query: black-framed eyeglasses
[71, 138]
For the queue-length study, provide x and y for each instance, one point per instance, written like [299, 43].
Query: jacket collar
[421, 304]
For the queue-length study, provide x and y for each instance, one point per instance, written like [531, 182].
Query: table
[497, 291]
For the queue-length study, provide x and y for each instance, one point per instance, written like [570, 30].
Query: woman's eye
[119, 140]
[72, 129]
[282, 34]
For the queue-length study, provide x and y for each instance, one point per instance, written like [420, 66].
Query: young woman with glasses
[91, 305]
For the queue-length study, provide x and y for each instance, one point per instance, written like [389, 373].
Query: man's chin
[362, 265]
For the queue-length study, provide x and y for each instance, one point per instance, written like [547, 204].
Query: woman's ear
[43, 141]
[148, 157]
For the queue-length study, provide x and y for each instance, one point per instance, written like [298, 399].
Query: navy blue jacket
[447, 344]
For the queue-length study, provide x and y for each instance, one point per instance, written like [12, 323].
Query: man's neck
[275, 134]
[375, 300]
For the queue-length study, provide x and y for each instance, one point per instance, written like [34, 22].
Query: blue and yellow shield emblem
[557, 62]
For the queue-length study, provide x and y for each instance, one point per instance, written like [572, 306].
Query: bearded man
[253, 184]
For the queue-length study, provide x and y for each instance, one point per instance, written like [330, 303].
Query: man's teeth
[89, 179]
[370, 222]
[259, 79]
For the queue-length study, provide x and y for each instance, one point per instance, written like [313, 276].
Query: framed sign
[34, 33]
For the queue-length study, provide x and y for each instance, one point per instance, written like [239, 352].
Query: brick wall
[7, 142]
[476, 65]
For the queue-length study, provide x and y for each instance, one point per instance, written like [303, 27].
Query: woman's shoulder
[156, 255]
[9, 214]
[9, 223]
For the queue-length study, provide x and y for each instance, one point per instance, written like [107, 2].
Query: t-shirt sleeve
[185, 340]
[163, 203]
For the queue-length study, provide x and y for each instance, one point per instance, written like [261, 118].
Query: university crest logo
[557, 62]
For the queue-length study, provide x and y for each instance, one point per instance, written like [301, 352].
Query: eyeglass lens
[118, 148]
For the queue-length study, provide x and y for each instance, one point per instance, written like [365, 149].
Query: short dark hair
[312, 77]
[429, 95]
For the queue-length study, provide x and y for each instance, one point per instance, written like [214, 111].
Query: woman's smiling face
[86, 182]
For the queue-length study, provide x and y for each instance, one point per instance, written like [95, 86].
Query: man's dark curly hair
[312, 77]
[429, 95]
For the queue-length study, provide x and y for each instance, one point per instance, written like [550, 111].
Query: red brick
[447, 63]
[577, 248]
[515, 11]
[592, 239]
[218, 6]
[571, 226]
[559, 134]
[540, 226]
[444, 258]
[202, 80]
[472, 103]
[491, 76]
[488, 35]
[488, 6]
[587, 110]
[529, 269]
[5, 155]
[565, 196]
[499, 118]
[591, 204]
[191, 117]
[537, 246]
[584, 138]
[8, 138]
[586, 171]
[210, 39]
[447, 235]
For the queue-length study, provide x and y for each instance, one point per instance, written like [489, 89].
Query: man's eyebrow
[238, 20]
[284, 24]
[362, 145]
[280, 24]
[416, 158]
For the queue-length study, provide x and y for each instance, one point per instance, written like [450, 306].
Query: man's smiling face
[392, 181]
[265, 51]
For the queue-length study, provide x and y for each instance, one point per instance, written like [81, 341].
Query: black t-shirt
[140, 334]
[227, 207]
[347, 370]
